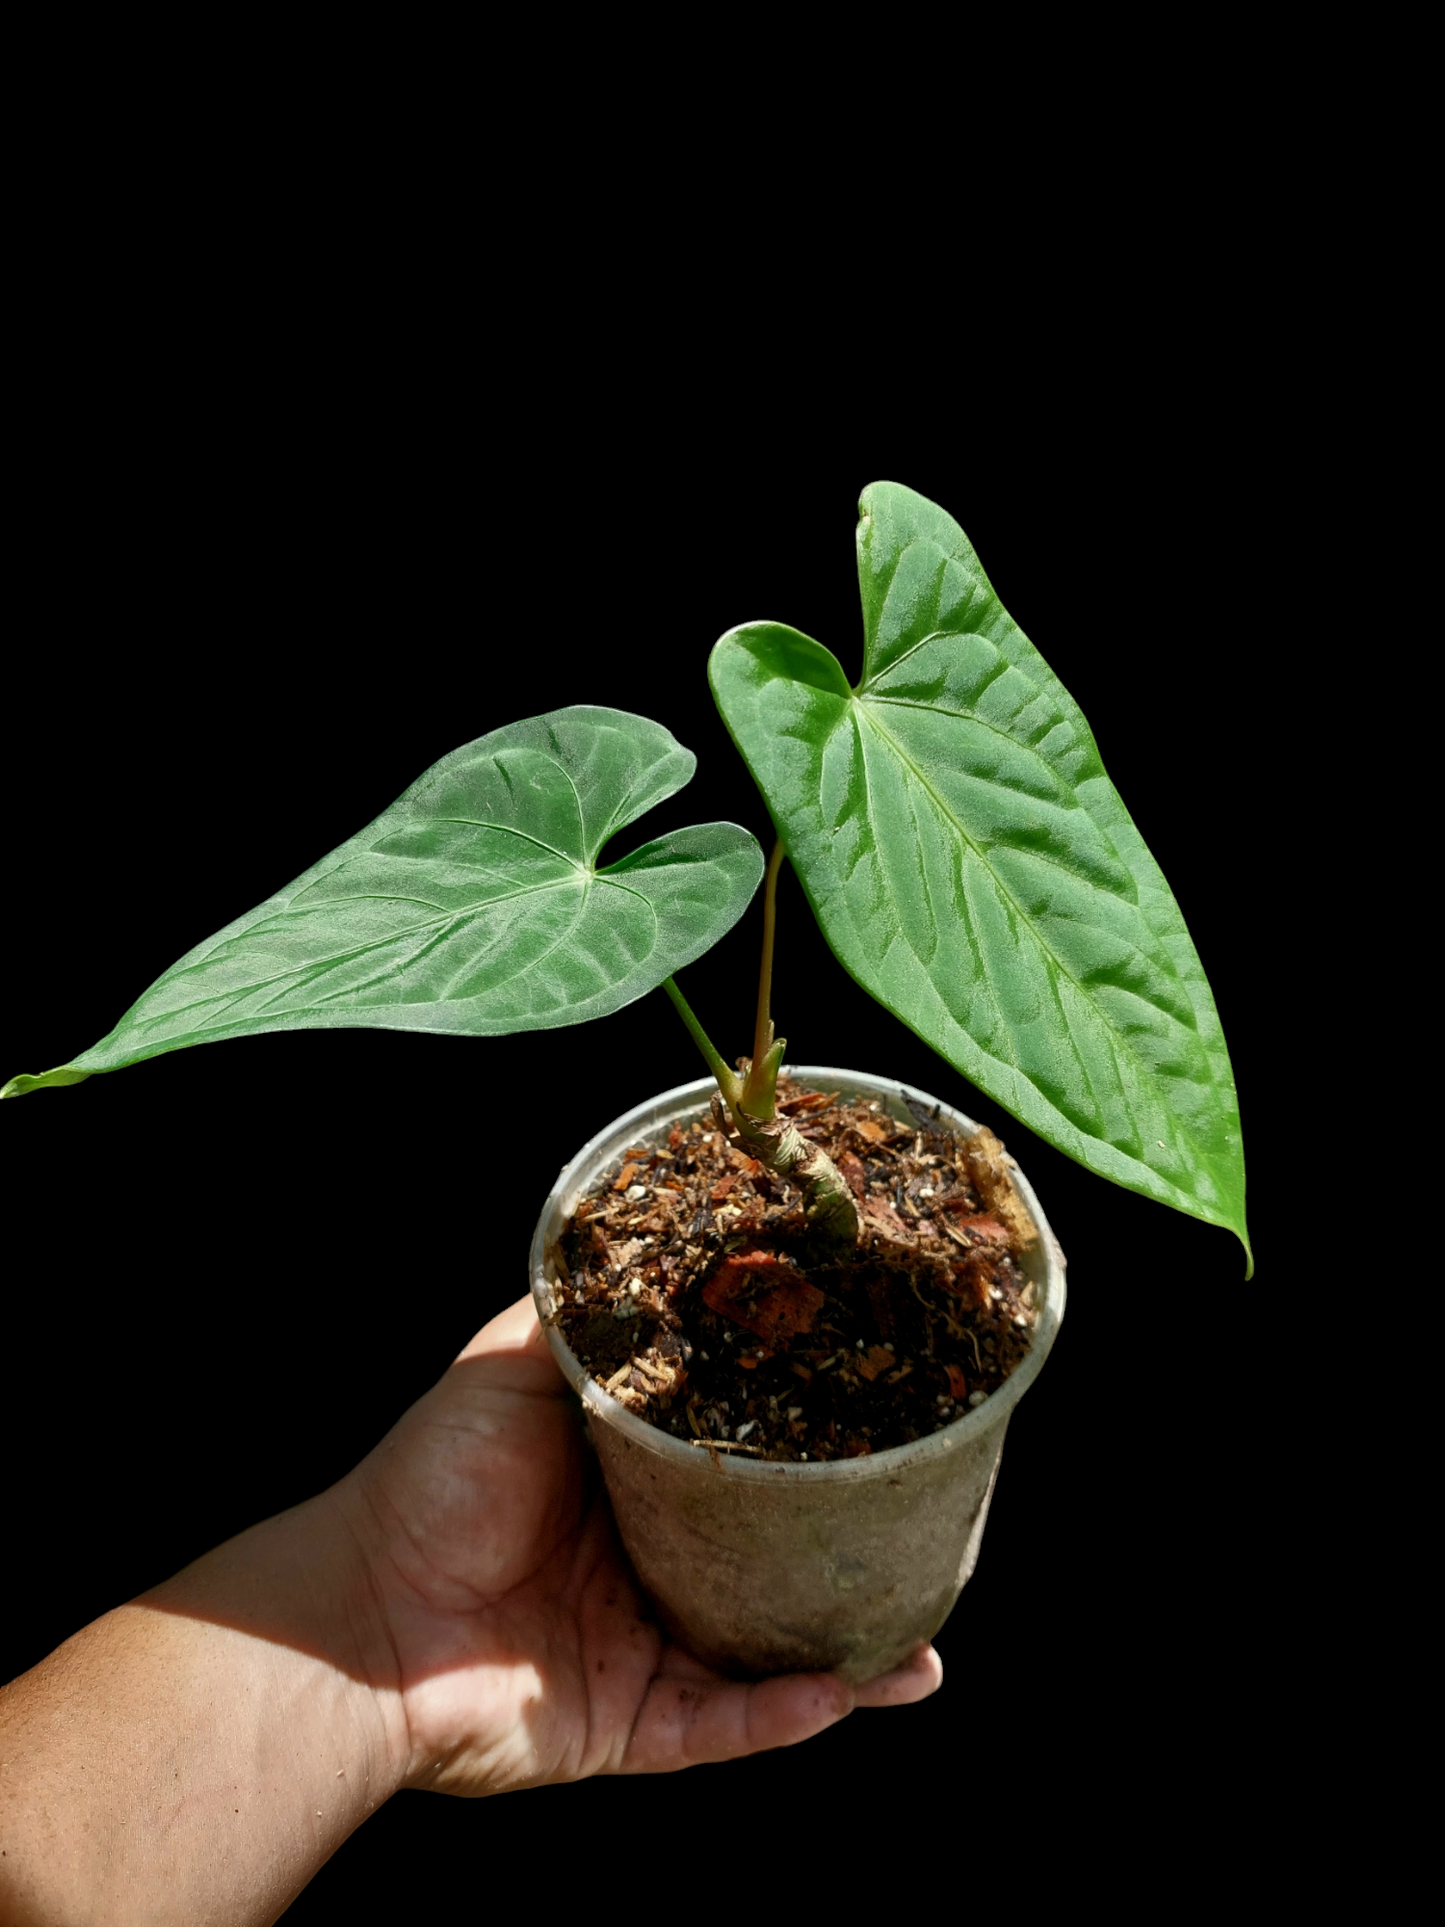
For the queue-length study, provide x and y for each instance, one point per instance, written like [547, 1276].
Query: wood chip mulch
[688, 1293]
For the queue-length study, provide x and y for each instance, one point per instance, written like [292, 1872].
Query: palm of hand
[521, 1641]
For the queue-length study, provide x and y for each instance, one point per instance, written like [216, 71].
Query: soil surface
[688, 1292]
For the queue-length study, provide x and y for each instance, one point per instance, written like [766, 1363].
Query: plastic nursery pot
[759, 1567]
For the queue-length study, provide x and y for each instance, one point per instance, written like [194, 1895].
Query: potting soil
[689, 1292]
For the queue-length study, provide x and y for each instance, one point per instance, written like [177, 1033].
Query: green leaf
[474, 905]
[973, 867]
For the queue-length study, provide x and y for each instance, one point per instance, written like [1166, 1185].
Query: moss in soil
[688, 1293]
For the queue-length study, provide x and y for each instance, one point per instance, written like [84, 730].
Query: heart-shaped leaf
[974, 868]
[473, 905]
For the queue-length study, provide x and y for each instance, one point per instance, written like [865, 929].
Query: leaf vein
[952, 821]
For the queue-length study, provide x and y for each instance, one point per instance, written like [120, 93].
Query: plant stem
[754, 1125]
[728, 1081]
[778, 1143]
[763, 1072]
[763, 1029]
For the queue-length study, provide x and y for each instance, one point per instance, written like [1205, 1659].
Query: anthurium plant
[950, 820]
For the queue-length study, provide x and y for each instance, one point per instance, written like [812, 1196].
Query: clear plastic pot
[766, 1568]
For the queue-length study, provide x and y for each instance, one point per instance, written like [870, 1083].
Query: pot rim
[667, 1107]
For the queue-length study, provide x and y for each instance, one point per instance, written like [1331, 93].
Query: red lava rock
[761, 1292]
[983, 1226]
[957, 1383]
[875, 1360]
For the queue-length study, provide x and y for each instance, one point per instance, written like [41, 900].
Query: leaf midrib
[870, 679]
[1037, 856]
[508, 829]
[1070, 801]
[1117, 1039]
[588, 877]
[865, 692]
[867, 687]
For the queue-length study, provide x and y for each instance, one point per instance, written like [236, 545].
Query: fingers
[919, 1675]
[689, 1721]
[513, 1330]
[690, 1716]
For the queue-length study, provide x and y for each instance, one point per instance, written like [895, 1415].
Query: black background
[271, 568]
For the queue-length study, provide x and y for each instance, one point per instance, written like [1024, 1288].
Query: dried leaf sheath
[829, 1207]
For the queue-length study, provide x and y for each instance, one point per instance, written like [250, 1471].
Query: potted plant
[798, 1311]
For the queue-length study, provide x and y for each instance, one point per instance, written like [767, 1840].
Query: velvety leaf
[474, 905]
[974, 868]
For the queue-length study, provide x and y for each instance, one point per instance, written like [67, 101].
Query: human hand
[522, 1648]
[455, 1613]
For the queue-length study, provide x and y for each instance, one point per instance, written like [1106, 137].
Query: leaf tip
[22, 1085]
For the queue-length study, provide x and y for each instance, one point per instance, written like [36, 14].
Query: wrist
[380, 1610]
[359, 1611]
[305, 1582]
